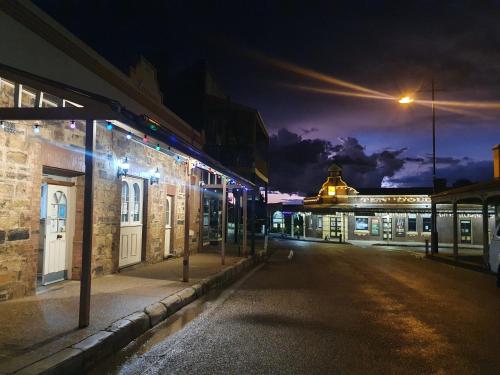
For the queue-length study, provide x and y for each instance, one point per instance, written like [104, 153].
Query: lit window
[331, 190]
[412, 223]
[426, 224]
[361, 223]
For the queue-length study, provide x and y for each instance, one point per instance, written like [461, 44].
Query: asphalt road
[339, 309]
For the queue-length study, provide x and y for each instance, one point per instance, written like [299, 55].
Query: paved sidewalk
[34, 327]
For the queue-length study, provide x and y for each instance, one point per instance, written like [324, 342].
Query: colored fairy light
[109, 126]
[145, 138]
[36, 128]
[129, 135]
[158, 148]
[72, 124]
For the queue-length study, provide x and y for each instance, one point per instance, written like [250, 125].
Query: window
[412, 223]
[331, 190]
[361, 223]
[137, 203]
[375, 229]
[167, 212]
[320, 221]
[400, 227]
[426, 224]
[59, 204]
[125, 202]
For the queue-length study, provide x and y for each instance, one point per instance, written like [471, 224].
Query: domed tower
[333, 190]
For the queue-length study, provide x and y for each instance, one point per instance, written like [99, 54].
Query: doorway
[131, 221]
[387, 228]
[168, 226]
[57, 217]
[465, 231]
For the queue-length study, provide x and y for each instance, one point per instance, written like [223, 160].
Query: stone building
[77, 136]
[340, 212]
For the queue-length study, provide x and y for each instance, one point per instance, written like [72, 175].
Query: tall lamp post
[409, 100]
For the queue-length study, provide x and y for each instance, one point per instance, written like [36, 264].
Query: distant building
[384, 215]
[234, 134]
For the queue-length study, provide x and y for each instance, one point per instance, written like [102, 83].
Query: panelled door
[387, 228]
[335, 227]
[168, 225]
[55, 198]
[465, 231]
[131, 221]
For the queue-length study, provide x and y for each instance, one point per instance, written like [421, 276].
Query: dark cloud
[300, 165]
[310, 130]
[455, 171]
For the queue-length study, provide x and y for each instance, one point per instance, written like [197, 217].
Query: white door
[168, 225]
[131, 221]
[55, 198]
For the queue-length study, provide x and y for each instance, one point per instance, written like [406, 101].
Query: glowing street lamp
[406, 100]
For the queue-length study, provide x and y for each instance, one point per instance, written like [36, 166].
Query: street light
[434, 233]
[408, 100]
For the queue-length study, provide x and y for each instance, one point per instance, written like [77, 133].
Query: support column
[434, 232]
[223, 224]
[486, 240]
[185, 260]
[252, 223]
[88, 214]
[245, 221]
[200, 224]
[266, 231]
[455, 230]
[237, 197]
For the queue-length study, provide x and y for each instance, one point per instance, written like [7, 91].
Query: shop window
[400, 227]
[375, 228]
[412, 223]
[320, 221]
[361, 224]
[465, 231]
[426, 224]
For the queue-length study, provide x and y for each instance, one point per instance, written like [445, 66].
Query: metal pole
[224, 206]
[433, 137]
[245, 221]
[200, 226]
[252, 223]
[86, 274]
[486, 240]
[236, 196]
[266, 232]
[185, 260]
[434, 232]
[455, 230]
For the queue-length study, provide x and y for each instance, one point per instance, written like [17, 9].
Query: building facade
[340, 212]
[78, 136]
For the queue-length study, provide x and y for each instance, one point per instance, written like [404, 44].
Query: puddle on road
[149, 339]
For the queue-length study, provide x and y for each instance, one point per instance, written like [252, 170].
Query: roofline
[110, 107]
[54, 33]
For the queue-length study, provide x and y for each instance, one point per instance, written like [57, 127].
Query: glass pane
[61, 226]
[137, 197]
[125, 201]
[167, 212]
[62, 211]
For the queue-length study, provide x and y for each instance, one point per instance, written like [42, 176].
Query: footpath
[39, 334]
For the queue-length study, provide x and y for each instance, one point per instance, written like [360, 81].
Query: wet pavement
[337, 309]
[34, 327]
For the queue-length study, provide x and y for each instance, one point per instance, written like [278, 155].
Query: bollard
[426, 247]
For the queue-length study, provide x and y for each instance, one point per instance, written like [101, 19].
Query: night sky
[392, 47]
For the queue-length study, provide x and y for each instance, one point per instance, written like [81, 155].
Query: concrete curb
[83, 355]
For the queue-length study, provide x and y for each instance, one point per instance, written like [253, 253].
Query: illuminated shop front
[342, 213]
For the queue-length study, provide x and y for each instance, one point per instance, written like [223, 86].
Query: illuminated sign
[395, 199]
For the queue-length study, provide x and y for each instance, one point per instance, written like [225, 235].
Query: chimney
[496, 161]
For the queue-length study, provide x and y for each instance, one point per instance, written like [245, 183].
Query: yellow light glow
[406, 100]
[331, 190]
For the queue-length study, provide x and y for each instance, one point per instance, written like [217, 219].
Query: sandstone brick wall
[21, 168]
